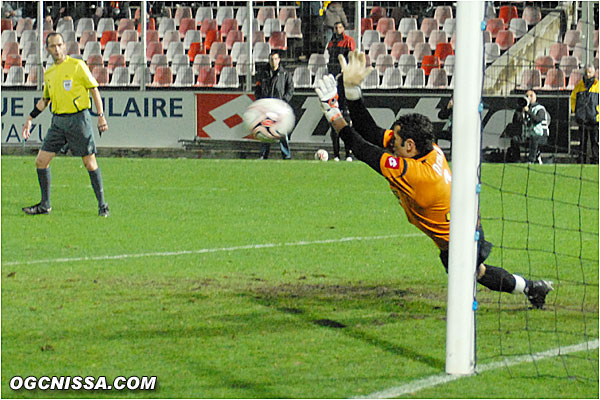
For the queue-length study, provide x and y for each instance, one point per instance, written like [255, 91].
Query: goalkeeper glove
[354, 72]
[326, 89]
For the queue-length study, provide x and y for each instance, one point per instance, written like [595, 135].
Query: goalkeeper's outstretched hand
[326, 89]
[354, 72]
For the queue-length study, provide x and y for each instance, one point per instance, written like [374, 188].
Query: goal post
[466, 139]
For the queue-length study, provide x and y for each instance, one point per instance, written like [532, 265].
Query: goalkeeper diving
[416, 169]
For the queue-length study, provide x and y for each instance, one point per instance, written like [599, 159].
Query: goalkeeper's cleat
[103, 211]
[537, 292]
[36, 209]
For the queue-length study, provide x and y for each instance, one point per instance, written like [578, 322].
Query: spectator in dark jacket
[275, 82]
[333, 14]
[584, 101]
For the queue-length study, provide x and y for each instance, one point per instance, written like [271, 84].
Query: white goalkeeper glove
[354, 72]
[326, 89]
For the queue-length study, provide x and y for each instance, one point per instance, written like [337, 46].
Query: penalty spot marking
[205, 251]
[440, 379]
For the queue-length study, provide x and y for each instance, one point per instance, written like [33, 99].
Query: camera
[522, 102]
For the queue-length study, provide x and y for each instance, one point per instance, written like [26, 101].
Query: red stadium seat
[186, 25]
[530, 79]
[278, 41]
[494, 25]
[428, 25]
[195, 48]
[152, 49]
[101, 75]
[398, 49]
[286, 13]
[558, 51]
[114, 61]
[10, 48]
[532, 15]
[442, 13]
[443, 50]
[211, 37]
[94, 61]
[386, 25]
[207, 77]
[234, 36]
[150, 26]
[505, 39]
[365, 24]
[229, 24]
[125, 24]
[87, 36]
[572, 38]
[377, 13]
[12, 60]
[222, 60]
[7, 24]
[507, 13]
[392, 37]
[429, 63]
[108, 36]
[543, 64]
[555, 80]
[163, 76]
[152, 36]
[208, 25]
[574, 78]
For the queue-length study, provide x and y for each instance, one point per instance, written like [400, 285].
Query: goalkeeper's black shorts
[484, 248]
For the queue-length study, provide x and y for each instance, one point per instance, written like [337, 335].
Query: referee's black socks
[44, 179]
[96, 179]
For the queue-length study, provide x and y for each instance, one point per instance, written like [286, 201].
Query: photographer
[535, 121]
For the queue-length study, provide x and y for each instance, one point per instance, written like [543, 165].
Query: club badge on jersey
[392, 163]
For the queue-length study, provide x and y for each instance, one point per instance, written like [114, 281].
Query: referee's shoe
[36, 209]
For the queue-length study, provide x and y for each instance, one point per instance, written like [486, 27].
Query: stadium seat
[111, 48]
[133, 48]
[428, 25]
[366, 24]
[278, 41]
[530, 79]
[241, 14]
[30, 48]
[449, 65]
[115, 61]
[7, 24]
[152, 36]
[191, 36]
[532, 15]
[406, 25]
[27, 36]
[436, 37]
[383, 62]
[415, 78]
[430, 62]
[101, 75]
[186, 25]
[568, 64]
[321, 72]
[87, 36]
[233, 37]
[158, 60]
[572, 38]
[72, 48]
[91, 48]
[370, 37]
[180, 60]
[421, 50]
[211, 37]
[371, 81]
[108, 36]
[494, 26]
[255, 27]
[150, 26]
[449, 26]
[184, 76]
[392, 37]
[518, 26]
[207, 77]
[376, 50]
[505, 39]
[392, 79]
[413, 38]
[32, 76]
[125, 24]
[201, 61]
[315, 61]
[11, 60]
[442, 13]
[208, 25]
[174, 49]
[128, 36]
[555, 80]
[105, 24]
[84, 24]
[491, 52]
[23, 24]
[265, 13]
[203, 13]
[137, 77]
[236, 50]
[543, 64]
[152, 49]
[217, 48]
[166, 24]
[487, 38]
[182, 12]
[31, 61]
[438, 79]
[286, 13]
[386, 25]
[229, 24]
[15, 76]
[9, 37]
[293, 28]
[64, 25]
[271, 25]
[558, 51]
[195, 48]
[120, 77]
[574, 78]
[406, 62]
[507, 13]
[228, 78]
[10, 48]
[243, 66]
[443, 50]
[223, 12]
[222, 61]
[377, 13]
[163, 76]
[261, 52]
[398, 49]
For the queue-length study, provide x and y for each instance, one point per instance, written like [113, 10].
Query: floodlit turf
[272, 279]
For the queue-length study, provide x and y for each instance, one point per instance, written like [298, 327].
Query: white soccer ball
[269, 120]
[322, 155]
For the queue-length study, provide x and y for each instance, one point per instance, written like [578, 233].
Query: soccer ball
[322, 155]
[269, 120]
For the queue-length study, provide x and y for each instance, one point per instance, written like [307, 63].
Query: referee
[66, 85]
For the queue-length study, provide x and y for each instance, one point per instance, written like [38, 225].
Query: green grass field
[300, 279]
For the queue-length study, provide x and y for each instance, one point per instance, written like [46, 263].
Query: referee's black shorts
[75, 129]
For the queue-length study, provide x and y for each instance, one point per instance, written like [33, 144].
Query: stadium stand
[572, 38]
[442, 13]
[105, 24]
[125, 24]
[163, 76]
[430, 62]
[224, 12]
[392, 79]
[207, 77]
[492, 52]
[443, 50]
[391, 38]
[181, 13]
[366, 24]
[229, 24]
[438, 79]
[532, 15]
[184, 76]
[557, 51]
[507, 13]
[413, 38]
[15, 76]
[217, 48]
[32, 76]
[422, 50]
[186, 25]
[158, 60]
[286, 13]
[28, 36]
[101, 75]
[449, 65]
[398, 49]
[428, 25]
[84, 24]
[574, 78]
[415, 78]
[92, 48]
[386, 25]
[321, 72]
[494, 26]
[315, 61]
[165, 24]
[293, 28]
[505, 39]
[7, 24]
[518, 26]
[87, 36]
[120, 77]
[265, 13]
[261, 52]
[376, 13]
[555, 80]
[222, 61]
[115, 61]
[133, 48]
[72, 49]
[127, 36]
[241, 14]
[407, 25]
[383, 62]
[111, 48]
[153, 48]
[169, 37]
[530, 79]
[568, 64]
[228, 78]
[376, 49]
[371, 81]
[174, 49]
[543, 64]
[278, 41]
[196, 48]
[436, 37]
[23, 24]
[406, 63]
[271, 25]
[201, 61]
[449, 26]
[203, 13]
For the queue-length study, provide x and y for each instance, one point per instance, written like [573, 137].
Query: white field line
[205, 251]
[440, 379]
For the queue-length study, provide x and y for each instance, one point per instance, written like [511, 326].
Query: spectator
[446, 114]
[534, 120]
[334, 14]
[311, 14]
[584, 100]
[11, 10]
[275, 82]
[340, 44]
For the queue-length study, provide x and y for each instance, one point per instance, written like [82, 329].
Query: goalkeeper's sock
[500, 280]
[96, 179]
[44, 178]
